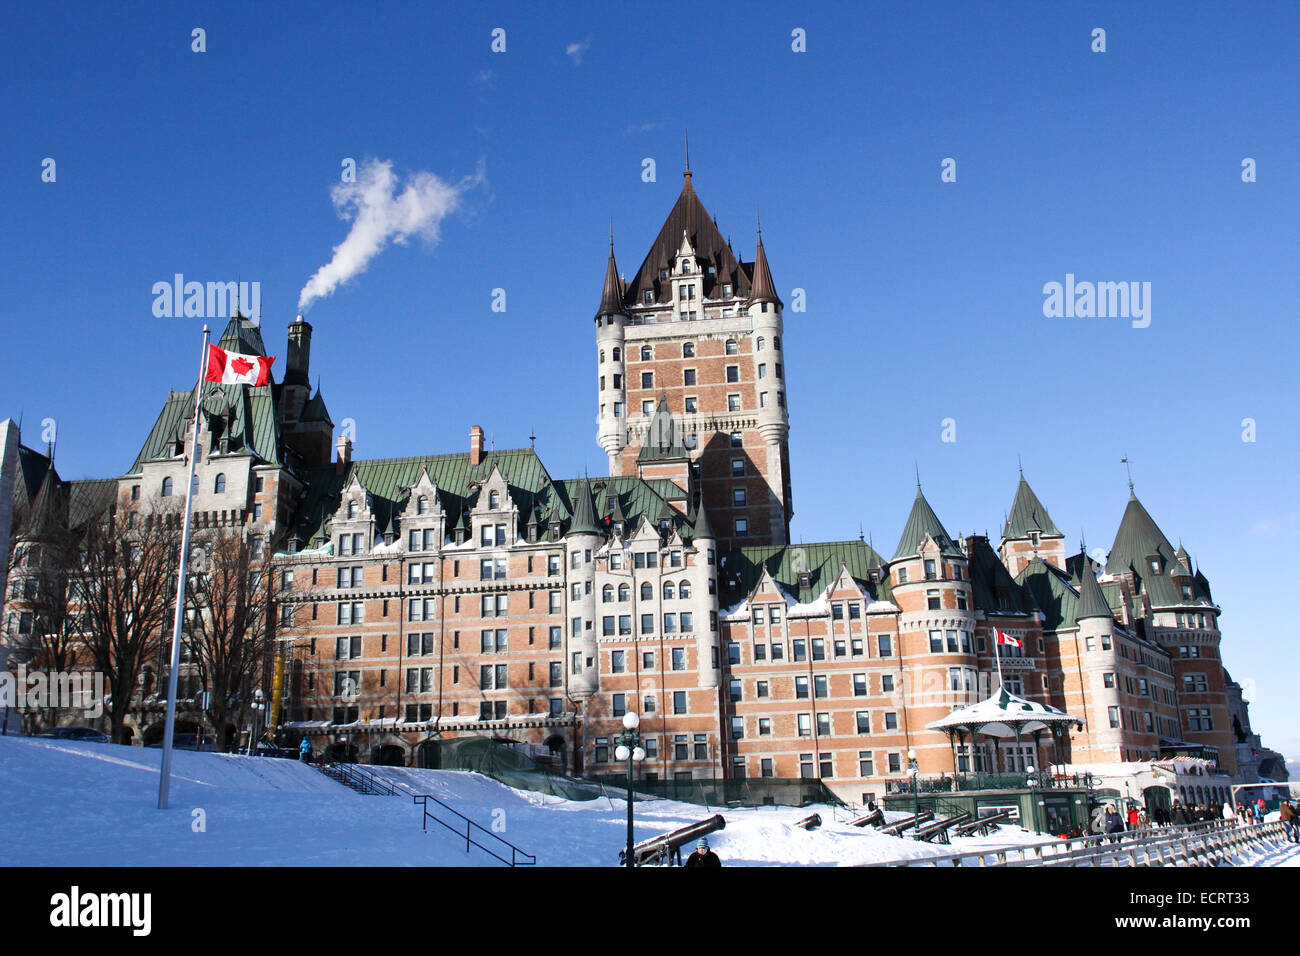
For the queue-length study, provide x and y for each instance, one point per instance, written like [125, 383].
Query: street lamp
[915, 771]
[629, 749]
[1030, 780]
[258, 707]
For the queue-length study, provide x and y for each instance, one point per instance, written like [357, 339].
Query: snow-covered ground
[82, 804]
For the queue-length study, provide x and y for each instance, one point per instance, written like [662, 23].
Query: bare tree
[229, 625]
[127, 593]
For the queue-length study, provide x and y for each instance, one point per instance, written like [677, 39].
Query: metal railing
[359, 779]
[517, 856]
[1181, 845]
[956, 783]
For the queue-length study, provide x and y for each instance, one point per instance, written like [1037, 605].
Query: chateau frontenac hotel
[470, 593]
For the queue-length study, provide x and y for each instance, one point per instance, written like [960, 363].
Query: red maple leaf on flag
[240, 366]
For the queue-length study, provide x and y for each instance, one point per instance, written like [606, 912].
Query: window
[688, 376]
[679, 658]
[936, 642]
[742, 527]
[886, 683]
[891, 720]
[349, 577]
[803, 722]
[688, 350]
[684, 590]
[1113, 714]
[618, 662]
[1108, 680]
[679, 702]
[351, 612]
[733, 403]
[219, 486]
[820, 688]
[1194, 683]
[762, 370]
[167, 486]
[801, 688]
[902, 575]
[738, 497]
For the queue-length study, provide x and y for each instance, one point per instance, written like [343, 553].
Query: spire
[687, 174]
[1137, 539]
[584, 511]
[1027, 514]
[1092, 600]
[762, 288]
[701, 529]
[611, 295]
[921, 522]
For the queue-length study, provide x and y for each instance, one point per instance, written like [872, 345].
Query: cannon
[895, 829]
[938, 830]
[810, 822]
[666, 848]
[982, 825]
[876, 818]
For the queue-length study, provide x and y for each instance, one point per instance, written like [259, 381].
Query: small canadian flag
[233, 368]
[1004, 638]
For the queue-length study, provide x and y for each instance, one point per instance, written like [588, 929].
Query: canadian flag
[1007, 639]
[232, 368]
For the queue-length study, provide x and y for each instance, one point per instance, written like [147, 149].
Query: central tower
[700, 332]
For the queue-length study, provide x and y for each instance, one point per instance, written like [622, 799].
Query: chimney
[475, 445]
[344, 447]
[298, 362]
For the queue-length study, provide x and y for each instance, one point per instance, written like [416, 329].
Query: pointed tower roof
[315, 410]
[1092, 600]
[611, 295]
[1137, 539]
[46, 514]
[688, 216]
[920, 522]
[763, 289]
[700, 526]
[584, 512]
[243, 335]
[664, 441]
[1027, 514]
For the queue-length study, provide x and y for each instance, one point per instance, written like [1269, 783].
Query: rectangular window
[886, 683]
[884, 643]
[866, 767]
[804, 724]
[800, 688]
[891, 720]
[820, 688]
[863, 722]
[765, 726]
[688, 376]
[618, 662]
[679, 702]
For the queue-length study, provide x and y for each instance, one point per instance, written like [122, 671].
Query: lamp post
[915, 771]
[629, 749]
[259, 708]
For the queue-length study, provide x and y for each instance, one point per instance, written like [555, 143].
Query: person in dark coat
[1181, 816]
[702, 856]
[1287, 814]
[1114, 823]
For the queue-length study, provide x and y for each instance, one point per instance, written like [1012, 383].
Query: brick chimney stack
[344, 446]
[475, 445]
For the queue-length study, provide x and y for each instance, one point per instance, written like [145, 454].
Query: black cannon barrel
[875, 818]
[982, 822]
[894, 829]
[938, 826]
[810, 822]
[665, 843]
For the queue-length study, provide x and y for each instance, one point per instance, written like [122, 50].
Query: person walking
[304, 751]
[1132, 816]
[1229, 818]
[1114, 823]
[702, 856]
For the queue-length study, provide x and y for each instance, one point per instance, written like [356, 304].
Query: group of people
[1112, 823]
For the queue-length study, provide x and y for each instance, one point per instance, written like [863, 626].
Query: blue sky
[924, 299]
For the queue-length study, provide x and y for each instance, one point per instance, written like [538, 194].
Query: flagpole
[997, 654]
[164, 776]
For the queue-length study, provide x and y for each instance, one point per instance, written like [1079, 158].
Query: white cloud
[574, 51]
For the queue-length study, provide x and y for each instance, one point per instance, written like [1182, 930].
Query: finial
[1022, 467]
[918, 476]
[532, 438]
[759, 219]
[1129, 470]
[1083, 541]
[860, 535]
[688, 154]
[611, 235]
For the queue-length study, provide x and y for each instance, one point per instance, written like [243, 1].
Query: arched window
[494, 500]
[668, 590]
[684, 590]
[624, 592]
[647, 353]
[688, 350]
[352, 509]
[762, 343]
[607, 594]
[167, 488]
[647, 591]
[618, 354]
[732, 347]
[219, 486]
[422, 506]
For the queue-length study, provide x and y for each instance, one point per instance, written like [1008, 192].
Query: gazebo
[1001, 716]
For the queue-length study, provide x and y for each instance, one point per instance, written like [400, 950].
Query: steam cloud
[378, 214]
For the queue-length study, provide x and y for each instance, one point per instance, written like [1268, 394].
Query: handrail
[1184, 841]
[516, 855]
[367, 781]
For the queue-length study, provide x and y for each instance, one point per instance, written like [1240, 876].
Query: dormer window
[726, 289]
[532, 533]
[555, 529]
[1187, 592]
[805, 579]
[422, 506]
[352, 509]
[663, 273]
[460, 535]
[494, 500]
[1155, 565]
[649, 297]
[686, 266]
[1033, 538]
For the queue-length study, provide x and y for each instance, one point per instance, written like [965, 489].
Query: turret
[581, 542]
[611, 320]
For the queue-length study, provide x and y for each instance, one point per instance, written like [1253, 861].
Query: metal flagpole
[164, 776]
[997, 654]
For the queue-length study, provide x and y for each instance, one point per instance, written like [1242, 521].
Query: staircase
[356, 777]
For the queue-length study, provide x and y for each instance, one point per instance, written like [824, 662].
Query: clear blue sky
[924, 299]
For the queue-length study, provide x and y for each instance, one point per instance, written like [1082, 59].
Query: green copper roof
[584, 511]
[992, 587]
[1138, 541]
[1050, 590]
[701, 528]
[740, 569]
[1027, 514]
[920, 522]
[1092, 602]
[315, 410]
[242, 335]
[244, 415]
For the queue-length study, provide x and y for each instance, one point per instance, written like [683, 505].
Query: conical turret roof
[763, 289]
[1137, 539]
[1027, 514]
[701, 528]
[611, 295]
[1092, 600]
[920, 522]
[584, 512]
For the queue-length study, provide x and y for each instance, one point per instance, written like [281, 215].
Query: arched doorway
[559, 749]
[388, 755]
[341, 753]
[426, 755]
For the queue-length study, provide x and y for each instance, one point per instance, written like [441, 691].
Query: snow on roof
[882, 607]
